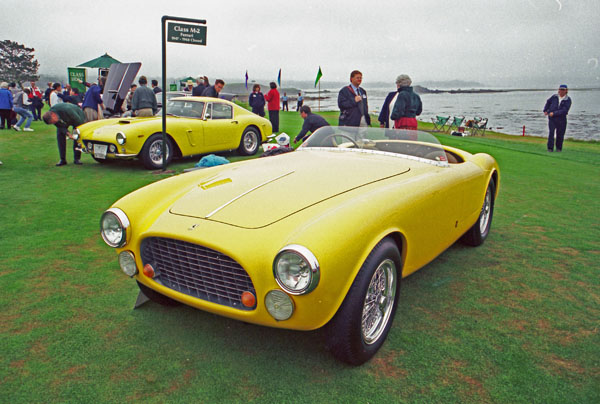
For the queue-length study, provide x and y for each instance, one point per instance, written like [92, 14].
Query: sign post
[192, 34]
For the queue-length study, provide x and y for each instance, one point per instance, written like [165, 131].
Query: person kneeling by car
[311, 123]
[62, 116]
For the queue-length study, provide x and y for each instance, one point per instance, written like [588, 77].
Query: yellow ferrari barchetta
[195, 125]
[314, 237]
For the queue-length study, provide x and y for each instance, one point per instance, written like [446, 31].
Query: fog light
[149, 271]
[127, 263]
[279, 305]
[248, 299]
[112, 148]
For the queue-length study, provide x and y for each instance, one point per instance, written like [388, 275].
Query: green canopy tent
[102, 62]
[183, 82]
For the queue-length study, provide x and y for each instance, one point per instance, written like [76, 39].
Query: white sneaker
[16, 128]
[0, 163]
[27, 130]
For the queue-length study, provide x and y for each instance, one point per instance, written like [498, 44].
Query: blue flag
[279, 78]
[246, 79]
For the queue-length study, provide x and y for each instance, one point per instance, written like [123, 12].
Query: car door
[221, 130]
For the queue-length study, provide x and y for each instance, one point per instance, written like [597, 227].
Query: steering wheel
[341, 135]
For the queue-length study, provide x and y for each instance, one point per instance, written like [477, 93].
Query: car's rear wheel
[157, 297]
[363, 321]
[151, 154]
[477, 234]
[249, 142]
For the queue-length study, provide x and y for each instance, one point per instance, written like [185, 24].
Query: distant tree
[17, 63]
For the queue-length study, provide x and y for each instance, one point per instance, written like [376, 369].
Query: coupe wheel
[363, 321]
[152, 152]
[250, 142]
[477, 234]
[157, 297]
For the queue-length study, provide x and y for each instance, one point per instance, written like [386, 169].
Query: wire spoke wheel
[486, 211]
[379, 301]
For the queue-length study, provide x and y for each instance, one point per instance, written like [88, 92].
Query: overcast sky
[496, 42]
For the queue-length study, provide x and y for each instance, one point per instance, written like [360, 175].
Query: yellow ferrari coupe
[320, 236]
[195, 125]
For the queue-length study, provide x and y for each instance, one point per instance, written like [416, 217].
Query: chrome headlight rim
[76, 134]
[121, 138]
[309, 258]
[124, 225]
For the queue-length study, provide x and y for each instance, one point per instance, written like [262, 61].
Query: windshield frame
[407, 144]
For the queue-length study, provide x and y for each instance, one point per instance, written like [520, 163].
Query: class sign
[186, 33]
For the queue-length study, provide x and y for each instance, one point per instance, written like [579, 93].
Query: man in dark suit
[556, 109]
[352, 101]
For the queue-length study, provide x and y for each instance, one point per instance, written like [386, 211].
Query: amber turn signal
[248, 299]
[149, 271]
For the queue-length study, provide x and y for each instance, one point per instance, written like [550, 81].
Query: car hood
[270, 189]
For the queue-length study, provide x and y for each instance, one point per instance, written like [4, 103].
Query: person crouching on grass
[62, 116]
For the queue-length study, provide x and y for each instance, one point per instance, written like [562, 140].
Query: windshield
[402, 143]
[185, 108]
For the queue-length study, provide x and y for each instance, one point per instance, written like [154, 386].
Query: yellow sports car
[195, 125]
[318, 236]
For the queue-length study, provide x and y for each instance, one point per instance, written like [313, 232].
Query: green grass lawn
[513, 321]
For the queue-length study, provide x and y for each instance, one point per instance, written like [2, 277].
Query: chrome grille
[197, 271]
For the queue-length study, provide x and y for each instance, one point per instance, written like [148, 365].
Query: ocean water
[507, 112]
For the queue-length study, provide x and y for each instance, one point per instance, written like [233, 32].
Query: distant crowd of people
[70, 108]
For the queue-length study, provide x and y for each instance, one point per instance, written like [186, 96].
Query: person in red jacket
[272, 99]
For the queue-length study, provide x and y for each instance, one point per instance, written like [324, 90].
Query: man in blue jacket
[352, 101]
[556, 109]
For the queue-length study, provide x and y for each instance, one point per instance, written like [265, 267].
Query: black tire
[157, 297]
[151, 153]
[477, 234]
[250, 142]
[350, 339]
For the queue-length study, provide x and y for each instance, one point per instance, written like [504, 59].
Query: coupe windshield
[185, 108]
[403, 143]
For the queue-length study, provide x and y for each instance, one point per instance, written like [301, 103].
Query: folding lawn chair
[479, 126]
[455, 124]
[439, 122]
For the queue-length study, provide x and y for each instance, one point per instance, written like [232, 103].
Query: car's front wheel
[363, 321]
[249, 142]
[477, 234]
[151, 154]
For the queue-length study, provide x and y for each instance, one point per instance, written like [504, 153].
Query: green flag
[319, 74]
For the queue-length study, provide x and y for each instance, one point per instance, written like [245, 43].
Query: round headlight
[121, 138]
[114, 225]
[279, 305]
[296, 270]
[127, 263]
[76, 134]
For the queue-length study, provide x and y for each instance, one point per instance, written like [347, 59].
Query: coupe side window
[222, 111]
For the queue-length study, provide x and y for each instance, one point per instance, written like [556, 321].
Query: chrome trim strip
[245, 193]
[378, 152]
[125, 155]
